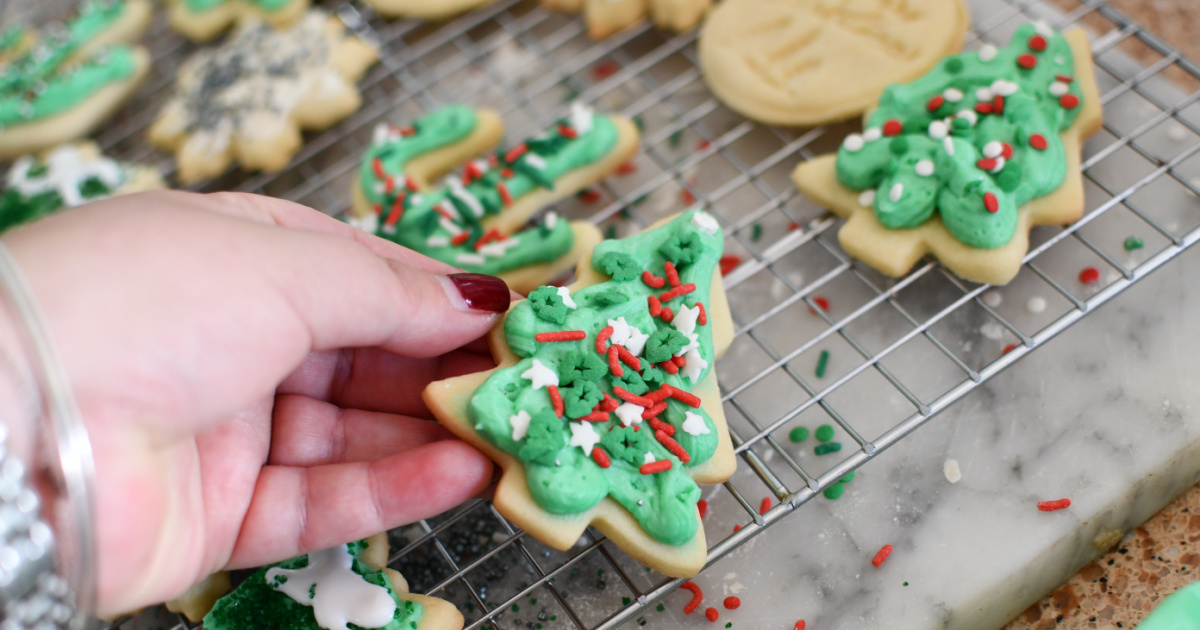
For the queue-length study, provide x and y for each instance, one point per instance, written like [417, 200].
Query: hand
[250, 372]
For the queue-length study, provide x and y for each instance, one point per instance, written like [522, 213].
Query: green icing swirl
[200, 6]
[562, 478]
[256, 604]
[422, 228]
[44, 81]
[937, 161]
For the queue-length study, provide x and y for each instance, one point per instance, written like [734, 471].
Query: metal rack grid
[796, 293]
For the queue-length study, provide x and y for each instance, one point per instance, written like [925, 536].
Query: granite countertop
[1120, 588]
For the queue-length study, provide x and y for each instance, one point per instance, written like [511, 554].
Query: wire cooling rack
[896, 352]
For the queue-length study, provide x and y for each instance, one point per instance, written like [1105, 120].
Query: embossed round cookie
[808, 62]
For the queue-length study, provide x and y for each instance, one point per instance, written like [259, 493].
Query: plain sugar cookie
[248, 99]
[809, 62]
[606, 17]
[962, 162]
[477, 220]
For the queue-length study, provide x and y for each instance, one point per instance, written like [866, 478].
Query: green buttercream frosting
[42, 81]
[257, 604]
[10, 37]
[429, 221]
[200, 6]
[972, 140]
[1180, 611]
[36, 187]
[562, 477]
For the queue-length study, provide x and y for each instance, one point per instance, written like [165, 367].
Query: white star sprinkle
[695, 364]
[705, 222]
[628, 335]
[520, 425]
[693, 424]
[630, 413]
[584, 436]
[685, 319]
[540, 375]
[565, 294]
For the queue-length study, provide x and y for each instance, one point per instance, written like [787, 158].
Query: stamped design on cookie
[201, 20]
[605, 17]
[67, 176]
[964, 161]
[474, 220]
[59, 88]
[604, 409]
[248, 99]
[807, 62]
[329, 590]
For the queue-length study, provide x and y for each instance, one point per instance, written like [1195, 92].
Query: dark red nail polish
[482, 292]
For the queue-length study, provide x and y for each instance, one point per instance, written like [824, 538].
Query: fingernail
[480, 292]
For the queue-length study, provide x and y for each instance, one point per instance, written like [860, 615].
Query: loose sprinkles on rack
[697, 596]
[1054, 506]
[881, 555]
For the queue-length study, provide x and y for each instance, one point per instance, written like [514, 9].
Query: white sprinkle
[993, 149]
[496, 249]
[897, 192]
[629, 413]
[969, 116]
[999, 165]
[368, 223]
[706, 222]
[853, 143]
[866, 199]
[540, 375]
[449, 226]
[520, 425]
[948, 144]
[382, 133]
[1177, 133]
[1036, 304]
[581, 118]
[649, 459]
[952, 471]
[1004, 87]
[437, 241]
[693, 424]
[993, 299]
[872, 134]
[938, 130]
[470, 259]
[1058, 88]
[1060, 60]
[565, 294]
[987, 52]
[639, 503]
[924, 168]
[583, 435]
[953, 95]
[983, 94]
[1043, 28]
[992, 330]
[535, 160]
[551, 220]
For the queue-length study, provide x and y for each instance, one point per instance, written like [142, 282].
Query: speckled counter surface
[1163, 555]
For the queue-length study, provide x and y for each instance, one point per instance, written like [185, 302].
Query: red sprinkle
[507, 173]
[711, 614]
[609, 404]
[397, 212]
[655, 306]
[991, 203]
[516, 153]
[793, 226]
[822, 302]
[688, 198]
[1038, 141]
[669, 366]
[590, 195]
[660, 394]
[799, 625]
[1037, 43]
[1064, 78]
[660, 426]
[672, 274]
[1007, 151]
[600, 457]
[1068, 101]
[1052, 506]
[998, 105]
[555, 399]
[667, 314]
[765, 505]
[731, 603]
[986, 164]
[983, 108]
[630, 397]
[560, 335]
[676, 292]
[1089, 275]
[567, 132]
[882, 555]
[935, 102]
[1009, 348]
[595, 416]
[628, 359]
[605, 70]
[729, 263]
[377, 166]
[408, 131]
[702, 319]
[703, 144]
[697, 597]
[661, 465]
[627, 168]
[671, 445]
[679, 361]
[505, 196]
[1027, 61]
[653, 412]
[410, 183]
[892, 128]
[460, 238]
[702, 505]
[686, 398]
[614, 362]
[653, 281]
[737, 528]
[602, 339]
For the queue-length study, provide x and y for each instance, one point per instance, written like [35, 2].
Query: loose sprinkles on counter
[826, 449]
[756, 232]
[711, 614]
[589, 196]
[627, 168]
[1053, 506]
[798, 434]
[1009, 348]
[1133, 242]
[732, 603]
[822, 363]
[729, 263]
[765, 505]
[605, 70]
[697, 596]
[882, 555]
[799, 625]
[702, 506]
[1089, 275]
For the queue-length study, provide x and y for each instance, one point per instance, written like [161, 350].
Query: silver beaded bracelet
[46, 575]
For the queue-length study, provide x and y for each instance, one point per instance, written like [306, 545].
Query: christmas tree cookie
[201, 20]
[474, 221]
[962, 162]
[65, 177]
[604, 409]
[59, 88]
[329, 590]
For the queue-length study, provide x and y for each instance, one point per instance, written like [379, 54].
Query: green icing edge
[17, 209]
[420, 219]
[256, 604]
[561, 478]
[40, 82]
[200, 6]
[957, 188]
